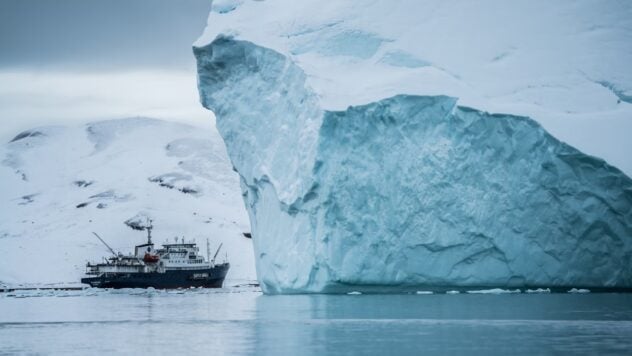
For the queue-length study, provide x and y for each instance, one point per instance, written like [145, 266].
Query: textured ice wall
[564, 63]
[408, 191]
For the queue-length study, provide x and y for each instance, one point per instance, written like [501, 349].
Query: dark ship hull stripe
[214, 278]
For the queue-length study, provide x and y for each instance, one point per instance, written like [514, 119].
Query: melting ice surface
[407, 191]
[234, 321]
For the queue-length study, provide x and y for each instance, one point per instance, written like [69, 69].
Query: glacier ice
[410, 190]
[359, 169]
[567, 67]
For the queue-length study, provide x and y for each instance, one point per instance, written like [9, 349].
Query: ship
[175, 265]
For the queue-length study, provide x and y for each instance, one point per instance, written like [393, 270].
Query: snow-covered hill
[61, 183]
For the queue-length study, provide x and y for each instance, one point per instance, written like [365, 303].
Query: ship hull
[170, 279]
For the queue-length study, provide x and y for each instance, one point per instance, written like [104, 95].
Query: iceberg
[371, 192]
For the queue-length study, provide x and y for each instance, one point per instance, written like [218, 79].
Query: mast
[208, 251]
[149, 228]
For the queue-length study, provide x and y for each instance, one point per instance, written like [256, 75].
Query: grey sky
[100, 34]
[72, 61]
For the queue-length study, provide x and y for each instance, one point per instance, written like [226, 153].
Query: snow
[355, 173]
[61, 183]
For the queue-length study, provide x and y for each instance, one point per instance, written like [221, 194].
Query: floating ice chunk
[494, 291]
[424, 292]
[354, 293]
[539, 290]
[579, 291]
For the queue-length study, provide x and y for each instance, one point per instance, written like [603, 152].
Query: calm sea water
[242, 321]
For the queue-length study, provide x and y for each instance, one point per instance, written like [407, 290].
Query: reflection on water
[409, 324]
[217, 322]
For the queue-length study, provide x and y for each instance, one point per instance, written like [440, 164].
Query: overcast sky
[78, 60]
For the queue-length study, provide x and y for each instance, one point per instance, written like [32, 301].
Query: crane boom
[106, 245]
[216, 252]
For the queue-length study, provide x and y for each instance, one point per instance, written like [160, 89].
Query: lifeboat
[149, 258]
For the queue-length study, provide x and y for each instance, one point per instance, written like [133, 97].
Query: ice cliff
[355, 179]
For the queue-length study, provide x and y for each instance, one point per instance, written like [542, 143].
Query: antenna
[216, 252]
[106, 245]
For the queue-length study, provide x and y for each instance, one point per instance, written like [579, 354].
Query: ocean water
[243, 321]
